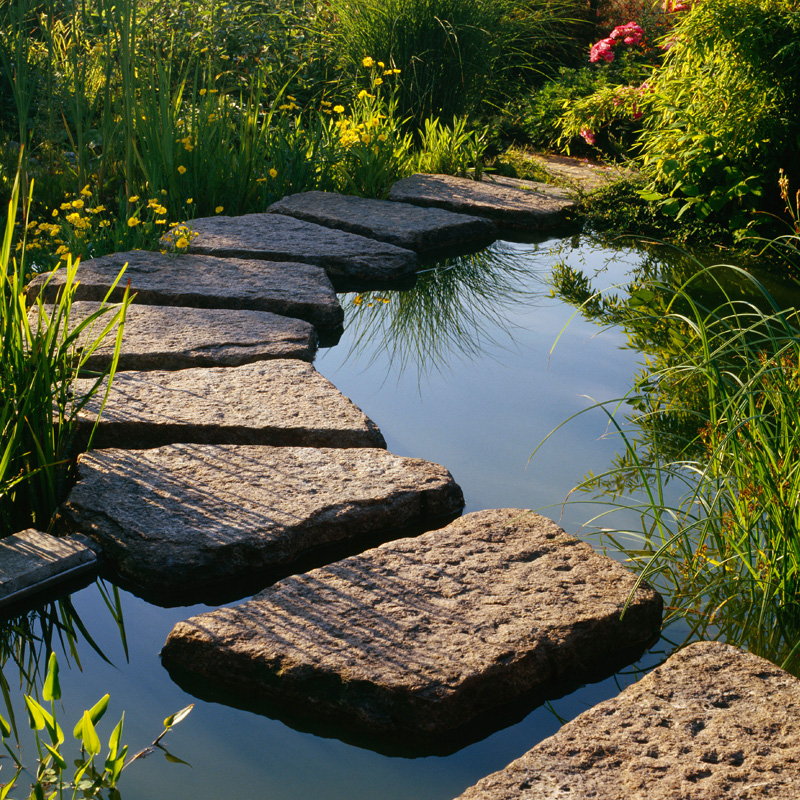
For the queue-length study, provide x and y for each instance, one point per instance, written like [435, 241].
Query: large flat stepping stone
[32, 562]
[171, 337]
[291, 290]
[420, 636]
[426, 231]
[272, 402]
[179, 518]
[351, 261]
[712, 723]
[509, 207]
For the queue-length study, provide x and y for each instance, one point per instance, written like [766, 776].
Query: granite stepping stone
[352, 262]
[32, 562]
[420, 636]
[509, 207]
[273, 402]
[176, 520]
[711, 723]
[291, 290]
[426, 231]
[171, 337]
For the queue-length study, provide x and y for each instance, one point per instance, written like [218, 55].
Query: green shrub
[454, 54]
[723, 112]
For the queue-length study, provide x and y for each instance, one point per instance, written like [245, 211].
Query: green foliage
[454, 54]
[41, 354]
[709, 461]
[450, 149]
[723, 110]
[51, 777]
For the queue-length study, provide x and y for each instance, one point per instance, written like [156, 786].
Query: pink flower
[672, 6]
[602, 50]
[588, 136]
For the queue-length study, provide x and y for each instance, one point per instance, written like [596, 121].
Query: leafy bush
[723, 113]
[454, 54]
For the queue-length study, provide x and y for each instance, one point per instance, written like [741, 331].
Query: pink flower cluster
[630, 34]
[671, 6]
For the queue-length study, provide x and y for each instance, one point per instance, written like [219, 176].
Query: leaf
[57, 757]
[5, 728]
[114, 740]
[89, 737]
[36, 714]
[52, 687]
[178, 716]
[95, 715]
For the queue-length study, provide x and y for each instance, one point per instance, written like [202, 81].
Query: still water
[472, 373]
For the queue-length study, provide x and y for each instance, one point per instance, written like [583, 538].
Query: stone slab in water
[509, 207]
[273, 402]
[32, 562]
[179, 518]
[291, 290]
[712, 723]
[171, 337]
[420, 636]
[351, 261]
[426, 231]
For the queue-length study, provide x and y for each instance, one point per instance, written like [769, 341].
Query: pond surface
[477, 392]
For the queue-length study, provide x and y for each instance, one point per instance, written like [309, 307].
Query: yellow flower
[55, 212]
[284, 107]
[325, 103]
[368, 62]
[86, 192]
[382, 137]
[134, 199]
[77, 203]
[104, 223]
[365, 138]
[181, 169]
[364, 93]
[159, 209]
[289, 97]
[189, 201]
[61, 250]
[219, 209]
[260, 180]
[73, 218]
[273, 173]
[358, 300]
[339, 109]
[203, 91]
[161, 222]
[378, 81]
[182, 242]
[133, 222]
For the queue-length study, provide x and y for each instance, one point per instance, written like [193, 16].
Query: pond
[490, 366]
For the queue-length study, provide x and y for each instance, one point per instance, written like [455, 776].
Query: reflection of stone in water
[458, 308]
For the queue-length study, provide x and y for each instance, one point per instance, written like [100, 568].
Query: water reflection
[457, 309]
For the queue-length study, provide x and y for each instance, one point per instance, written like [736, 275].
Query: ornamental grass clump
[42, 351]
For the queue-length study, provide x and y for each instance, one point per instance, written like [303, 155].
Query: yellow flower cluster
[179, 238]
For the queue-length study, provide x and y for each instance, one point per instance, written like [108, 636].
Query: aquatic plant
[42, 352]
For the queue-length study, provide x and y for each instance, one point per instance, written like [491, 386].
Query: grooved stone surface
[509, 207]
[292, 290]
[171, 337]
[32, 560]
[420, 635]
[712, 723]
[182, 516]
[272, 402]
[351, 261]
[409, 226]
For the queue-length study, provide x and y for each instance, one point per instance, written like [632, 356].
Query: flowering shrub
[630, 34]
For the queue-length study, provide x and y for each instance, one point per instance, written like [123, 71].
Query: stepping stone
[177, 519]
[510, 208]
[421, 636]
[589, 176]
[171, 337]
[351, 261]
[32, 562]
[712, 722]
[545, 189]
[292, 290]
[273, 402]
[426, 231]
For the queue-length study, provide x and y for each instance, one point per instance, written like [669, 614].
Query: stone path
[179, 518]
[169, 337]
[31, 562]
[292, 290]
[509, 207]
[274, 402]
[712, 723]
[426, 231]
[352, 262]
[419, 637]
